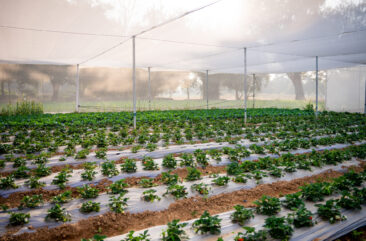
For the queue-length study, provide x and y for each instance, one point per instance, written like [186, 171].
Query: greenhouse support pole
[207, 89]
[245, 85]
[149, 87]
[77, 89]
[253, 91]
[134, 81]
[364, 111]
[316, 86]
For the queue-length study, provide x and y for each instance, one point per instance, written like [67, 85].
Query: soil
[112, 224]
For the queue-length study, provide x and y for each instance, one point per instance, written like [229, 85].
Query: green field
[93, 106]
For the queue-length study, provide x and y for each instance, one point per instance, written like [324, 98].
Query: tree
[296, 81]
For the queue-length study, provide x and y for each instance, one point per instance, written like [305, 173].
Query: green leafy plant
[293, 201]
[141, 237]
[42, 171]
[241, 178]
[175, 231]
[61, 178]
[19, 218]
[221, 180]
[169, 161]
[149, 164]
[109, 169]
[201, 188]
[330, 211]
[349, 201]
[147, 182]
[82, 154]
[33, 182]
[21, 172]
[251, 235]
[31, 201]
[187, 160]
[89, 206]
[96, 237]
[241, 214]
[89, 172]
[118, 187]
[169, 179]
[58, 214]
[268, 205]
[7, 182]
[207, 224]
[118, 204]
[62, 198]
[129, 166]
[87, 191]
[302, 217]
[193, 174]
[278, 228]
[315, 192]
[178, 191]
[101, 153]
[150, 196]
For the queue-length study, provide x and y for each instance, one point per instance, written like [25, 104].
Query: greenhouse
[170, 120]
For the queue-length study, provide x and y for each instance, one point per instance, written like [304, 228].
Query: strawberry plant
[82, 154]
[258, 175]
[268, 205]
[19, 218]
[241, 178]
[201, 188]
[61, 179]
[215, 154]
[7, 182]
[89, 172]
[241, 215]
[221, 181]
[33, 182]
[175, 231]
[169, 179]
[251, 235]
[21, 172]
[141, 237]
[147, 182]
[349, 201]
[31, 201]
[62, 198]
[96, 237]
[151, 147]
[118, 204]
[129, 166]
[118, 187]
[178, 191]
[89, 207]
[330, 211]
[315, 192]
[109, 169]
[187, 160]
[278, 228]
[58, 214]
[87, 191]
[136, 148]
[193, 174]
[275, 171]
[169, 161]
[293, 201]
[149, 164]
[150, 196]
[302, 217]
[207, 224]
[201, 157]
[101, 153]
[42, 171]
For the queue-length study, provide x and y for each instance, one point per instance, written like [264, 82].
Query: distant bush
[22, 108]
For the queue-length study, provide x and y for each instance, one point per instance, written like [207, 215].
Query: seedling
[61, 179]
[169, 161]
[87, 191]
[42, 171]
[149, 164]
[278, 228]
[251, 235]
[62, 198]
[129, 166]
[330, 211]
[89, 207]
[221, 181]
[207, 224]
[58, 214]
[150, 196]
[268, 205]
[109, 169]
[7, 182]
[187, 160]
[241, 215]
[19, 218]
[141, 237]
[175, 231]
[31, 201]
[201, 188]
[147, 182]
[178, 191]
[293, 201]
[301, 218]
[193, 174]
[118, 187]
[118, 204]
[169, 179]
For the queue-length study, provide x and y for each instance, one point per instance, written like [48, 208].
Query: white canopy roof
[195, 35]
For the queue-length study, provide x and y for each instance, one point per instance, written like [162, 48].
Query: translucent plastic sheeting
[346, 95]
[194, 35]
[136, 205]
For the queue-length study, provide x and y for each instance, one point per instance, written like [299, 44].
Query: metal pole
[316, 86]
[207, 89]
[134, 81]
[245, 85]
[365, 99]
[253, 90]
[77, 89]
[149, 86]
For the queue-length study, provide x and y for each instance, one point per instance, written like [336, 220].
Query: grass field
[93, 106]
